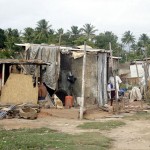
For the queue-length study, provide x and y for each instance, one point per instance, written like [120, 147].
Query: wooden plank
[103, 78]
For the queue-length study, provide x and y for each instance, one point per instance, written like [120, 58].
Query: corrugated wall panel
[102, 78]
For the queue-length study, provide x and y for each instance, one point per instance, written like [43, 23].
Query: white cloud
[117, 16]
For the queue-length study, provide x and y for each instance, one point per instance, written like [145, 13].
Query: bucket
[68, 101]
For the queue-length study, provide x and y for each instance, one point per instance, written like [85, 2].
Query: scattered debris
[26, 111]
[5, 111]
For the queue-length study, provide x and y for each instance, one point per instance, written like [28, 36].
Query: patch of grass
[107, 125]
[46, 139]
[138, 116]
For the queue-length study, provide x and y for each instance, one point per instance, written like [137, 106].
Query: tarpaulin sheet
[49, 54]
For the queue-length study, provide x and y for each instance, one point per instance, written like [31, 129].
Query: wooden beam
[111, 55]
[83, 83]
[3, 75]
[36, 71]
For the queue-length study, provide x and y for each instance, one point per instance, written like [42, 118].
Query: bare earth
[135, 135]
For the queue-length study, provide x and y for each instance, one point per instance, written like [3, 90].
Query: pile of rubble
[26, 111]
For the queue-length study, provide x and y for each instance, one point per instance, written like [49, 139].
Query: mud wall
[90, 77]
[19, 89]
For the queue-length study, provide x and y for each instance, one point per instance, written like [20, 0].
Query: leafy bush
[6, 53]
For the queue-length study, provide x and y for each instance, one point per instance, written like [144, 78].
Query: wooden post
[138, 80]
[114, 75]
[60, 39]
[36, 71]
[146, 72]
[145, 75]
[3, 75]
[83, 83]
[116, 93]
[41, 73]
[147, 65]
[111, 56]
[123, 103]
[137, 71]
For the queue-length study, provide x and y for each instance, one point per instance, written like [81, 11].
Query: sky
[117, 16]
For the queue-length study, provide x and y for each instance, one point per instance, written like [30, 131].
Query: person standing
[114, 80]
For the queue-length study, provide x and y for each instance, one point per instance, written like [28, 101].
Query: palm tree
[128, 39]
[144, 39]
[28, 35]
[12, 37]
[75, 31]
[89, 31]
[42, 30]
[144, 44]
[60, 32]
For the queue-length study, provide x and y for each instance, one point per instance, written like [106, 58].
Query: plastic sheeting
[77, 55]
[49, 54]
[135, 94]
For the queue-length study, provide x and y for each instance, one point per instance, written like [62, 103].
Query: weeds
[46, 139]
[139, 116]
[107, 125]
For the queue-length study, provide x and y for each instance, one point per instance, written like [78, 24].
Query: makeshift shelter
[95, 74]
[18, 87]
[51, 56]
[65, 61]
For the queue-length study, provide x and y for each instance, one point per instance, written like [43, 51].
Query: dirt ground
[135, 135]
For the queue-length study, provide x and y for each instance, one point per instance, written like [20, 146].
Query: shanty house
[17, 86]
[65, 61]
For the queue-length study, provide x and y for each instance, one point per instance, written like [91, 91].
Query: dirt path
[60, 124]
[135, 135]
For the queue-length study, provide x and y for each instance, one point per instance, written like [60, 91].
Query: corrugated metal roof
[27, 45]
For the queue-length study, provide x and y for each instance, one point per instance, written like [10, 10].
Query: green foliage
[60, 31]
[89, 31]
[148, 50]
[43, 139]
[129, 49]
[128, 39]
[75, 32]
[107, 125]
[6, 53]
[2, 38]
[81, 40]
[28, 35]
[12, 37]
[144, 39]
[42, 31]
[103, 39]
